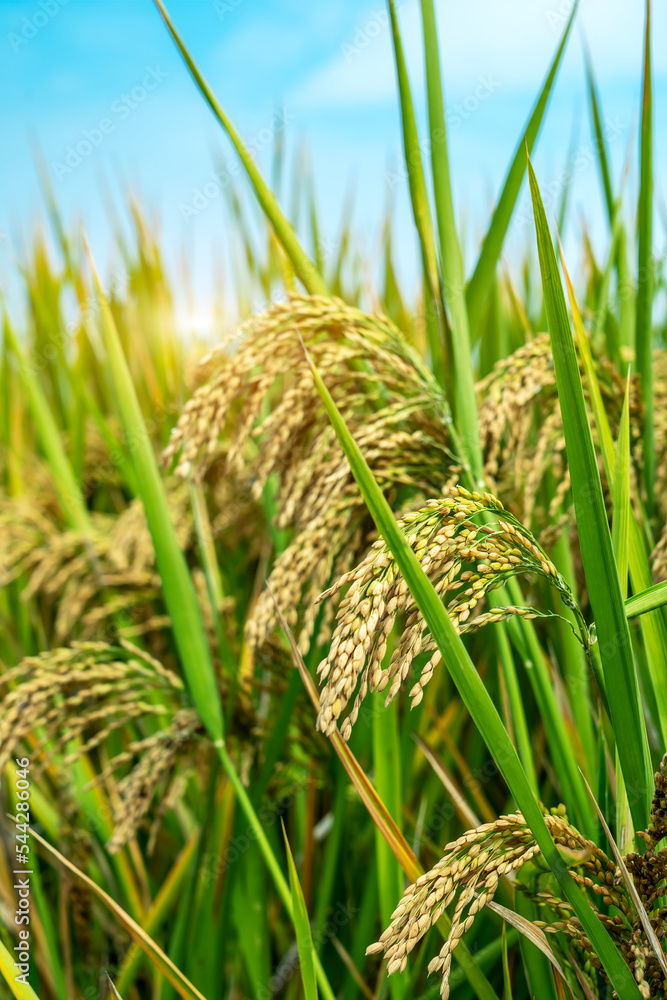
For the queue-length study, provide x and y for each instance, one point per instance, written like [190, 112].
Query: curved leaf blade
[302, 927]
[482, 276]
[303, 266]
[594, 536]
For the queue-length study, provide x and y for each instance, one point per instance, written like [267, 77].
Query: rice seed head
[259, 415]
[156, 764]
[88, 686]
[70, 572]
[467, 544]
[467, 875]
[472, 866]
[522, 432]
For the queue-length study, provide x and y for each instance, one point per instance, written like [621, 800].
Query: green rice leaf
[620, 537]
[179, 593]
[594, 536]
[67, 487]
[645, 265]
[517, 708]
[304, 938]
[653, 627]
[480, 282]
[387, 765]
[465, 400]
[620, 493]
[303, 266]
[600, 141]
[647, 600]
[613, 346]
[568, 176]
[420, 206]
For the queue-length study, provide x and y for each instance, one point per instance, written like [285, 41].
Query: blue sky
[105, 77]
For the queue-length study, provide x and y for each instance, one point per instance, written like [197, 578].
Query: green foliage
[145, 669]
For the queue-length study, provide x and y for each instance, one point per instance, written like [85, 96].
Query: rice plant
[333, 657]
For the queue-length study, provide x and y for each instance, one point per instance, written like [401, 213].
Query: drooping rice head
[100, 586]
[468, 545]
[259, 417]
[522, 434]
[472, 867]
[72, 701]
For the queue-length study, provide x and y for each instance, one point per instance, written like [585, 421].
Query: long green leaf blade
[645, 265]
[304, 938]
[388, 779]
[69, 492]
[420, 207]
[653, 627]
[600, 141]
[620, 534]
[179, 593]
[480, 282]
[303, 266]
[465, 401]
[647, 600]
[620, 537]
[594, 536]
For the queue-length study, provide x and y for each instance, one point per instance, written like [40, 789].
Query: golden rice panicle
[522, 432]
[86, 691]
[467, 875]
[158, 757]
[467, 545]
[338, 337]
[90, 582]
[259, 415]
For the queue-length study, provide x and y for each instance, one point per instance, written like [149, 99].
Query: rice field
[332, 656]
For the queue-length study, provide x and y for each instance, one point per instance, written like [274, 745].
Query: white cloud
[512, 41]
